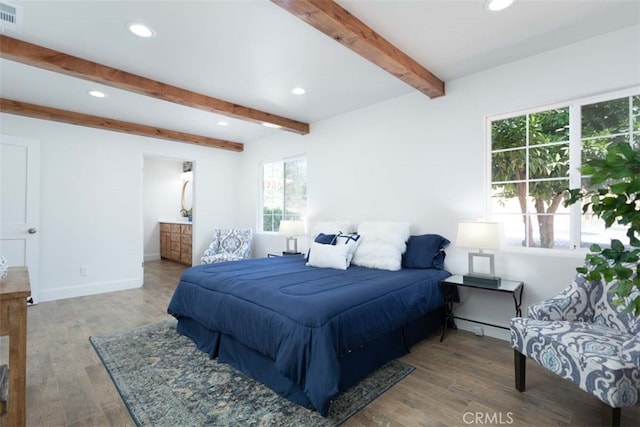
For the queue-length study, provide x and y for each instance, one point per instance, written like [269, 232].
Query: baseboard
[84, 290]
[151, 257]
[499, 333]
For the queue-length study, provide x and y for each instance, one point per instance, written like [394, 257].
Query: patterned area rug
[166, 381]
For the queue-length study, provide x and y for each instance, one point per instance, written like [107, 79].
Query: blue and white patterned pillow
[350, 240]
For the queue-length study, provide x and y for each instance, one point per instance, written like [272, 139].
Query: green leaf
[634, 186]
[622, 272]
[617, 245]
[619, 188]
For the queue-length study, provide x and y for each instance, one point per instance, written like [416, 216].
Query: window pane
[271, 220]
[509, 133]
[547, 196]
[605, 118]
[593, 231]
[597, 147]
[508, 165]
[272, 184]
[551, 161]
[295, 196]
[548, 214]
[550, 231]
[549, 126]
[504, 198]
[514, 229]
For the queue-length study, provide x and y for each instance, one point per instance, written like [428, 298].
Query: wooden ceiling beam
[64, 116]
[48, 59]
[336, 22]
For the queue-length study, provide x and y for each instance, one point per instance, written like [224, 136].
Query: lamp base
[484, 280]
[292, 245]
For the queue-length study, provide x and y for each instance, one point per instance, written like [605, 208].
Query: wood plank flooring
[466, 380]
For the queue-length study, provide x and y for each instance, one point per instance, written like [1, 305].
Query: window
[284, 192]
[535, 157]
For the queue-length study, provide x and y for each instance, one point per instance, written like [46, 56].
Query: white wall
[424, 161]
[162, 191]
[91, 202]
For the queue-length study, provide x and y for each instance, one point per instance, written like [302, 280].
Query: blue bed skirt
[354, 366]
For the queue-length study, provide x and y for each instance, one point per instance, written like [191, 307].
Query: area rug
[166, 381]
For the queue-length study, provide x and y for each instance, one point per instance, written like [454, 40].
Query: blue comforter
[304, 318]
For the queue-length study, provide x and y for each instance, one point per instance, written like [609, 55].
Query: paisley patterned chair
[232, 244]
[582, 337]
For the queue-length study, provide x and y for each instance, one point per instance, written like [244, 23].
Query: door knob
[32, 230]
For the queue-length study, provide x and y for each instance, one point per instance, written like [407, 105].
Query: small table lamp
[480, 235]
[291, 229]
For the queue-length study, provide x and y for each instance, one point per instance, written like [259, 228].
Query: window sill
[562, 253]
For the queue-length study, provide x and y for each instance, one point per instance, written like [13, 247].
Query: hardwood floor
[466, 380]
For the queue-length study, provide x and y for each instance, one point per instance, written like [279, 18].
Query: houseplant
[613, 195]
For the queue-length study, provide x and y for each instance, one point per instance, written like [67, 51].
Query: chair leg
[611, 416]
[520, 365]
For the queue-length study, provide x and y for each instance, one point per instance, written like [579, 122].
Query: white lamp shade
[478, 235]
[291, 228]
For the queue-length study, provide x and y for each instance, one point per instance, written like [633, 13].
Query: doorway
[167, 196]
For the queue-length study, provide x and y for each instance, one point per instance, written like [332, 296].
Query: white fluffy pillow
[382, 244]
[328, 227]
[329, 256]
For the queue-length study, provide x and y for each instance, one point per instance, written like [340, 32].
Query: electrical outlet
[478, 331]
[84, 270]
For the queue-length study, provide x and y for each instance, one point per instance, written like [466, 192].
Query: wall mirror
[187, 195]
[186, 198]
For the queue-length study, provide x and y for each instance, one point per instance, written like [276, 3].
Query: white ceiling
[252, 52]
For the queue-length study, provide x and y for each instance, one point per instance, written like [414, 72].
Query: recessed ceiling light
[298, 91]
[141, 30]
[496, 5]
[222, 123]
[97, 93]
[271, 125]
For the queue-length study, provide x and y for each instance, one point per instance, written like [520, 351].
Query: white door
[20, 204]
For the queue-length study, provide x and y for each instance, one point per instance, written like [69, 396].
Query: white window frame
[260, 214]
[575, 142]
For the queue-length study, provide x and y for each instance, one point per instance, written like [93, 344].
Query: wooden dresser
[175, 242]
[14, 290]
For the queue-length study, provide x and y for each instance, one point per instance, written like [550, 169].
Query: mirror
[187, 197]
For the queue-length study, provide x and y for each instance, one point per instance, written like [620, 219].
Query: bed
[307, 333]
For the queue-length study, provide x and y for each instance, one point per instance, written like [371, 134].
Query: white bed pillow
[382, 244]
[329, 256]
[328, 227]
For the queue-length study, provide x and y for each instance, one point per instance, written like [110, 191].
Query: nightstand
[450, 286]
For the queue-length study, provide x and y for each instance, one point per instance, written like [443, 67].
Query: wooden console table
[14, 290]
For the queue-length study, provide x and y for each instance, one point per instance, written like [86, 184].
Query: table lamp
[291, 229]
[479, 235]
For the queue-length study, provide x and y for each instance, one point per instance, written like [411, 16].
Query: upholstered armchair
[231, 244]
[582, 337]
